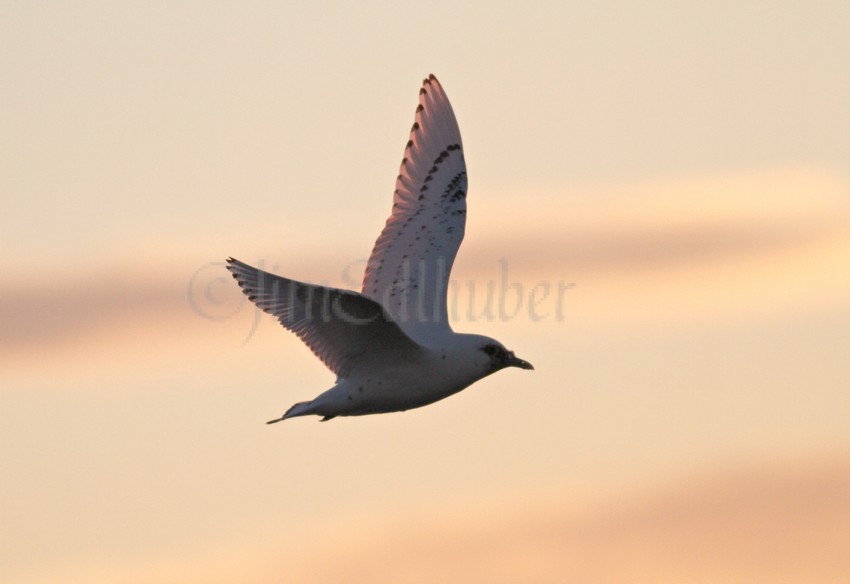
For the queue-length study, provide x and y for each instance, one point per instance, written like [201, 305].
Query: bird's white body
[429, 375]
[391, 345]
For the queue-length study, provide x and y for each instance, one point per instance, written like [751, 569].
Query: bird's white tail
[304, 409]
[299, 409]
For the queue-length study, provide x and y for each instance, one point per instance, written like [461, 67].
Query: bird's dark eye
[491, 349]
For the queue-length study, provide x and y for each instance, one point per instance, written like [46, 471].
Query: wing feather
[341, 327]
[409, 268]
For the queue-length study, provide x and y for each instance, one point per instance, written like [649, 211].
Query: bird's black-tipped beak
[517, 362]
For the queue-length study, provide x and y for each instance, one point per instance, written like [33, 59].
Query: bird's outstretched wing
[340, 326]
[409, 268]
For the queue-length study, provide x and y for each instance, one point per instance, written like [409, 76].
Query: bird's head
[500, 357]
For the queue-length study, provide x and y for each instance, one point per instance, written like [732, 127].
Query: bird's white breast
[436, 372]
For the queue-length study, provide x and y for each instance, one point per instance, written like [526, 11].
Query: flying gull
[391, 345]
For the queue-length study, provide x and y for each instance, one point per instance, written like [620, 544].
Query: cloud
[667, 224]
[629, 248]
[743, 237]
[779, 525]
[49, 311]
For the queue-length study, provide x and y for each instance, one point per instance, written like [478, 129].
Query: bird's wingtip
[428, 81]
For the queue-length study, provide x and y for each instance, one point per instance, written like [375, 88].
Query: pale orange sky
[685, 167]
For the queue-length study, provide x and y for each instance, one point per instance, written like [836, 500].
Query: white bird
[391, 345]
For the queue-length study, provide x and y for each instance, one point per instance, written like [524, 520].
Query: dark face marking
[501, 358]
